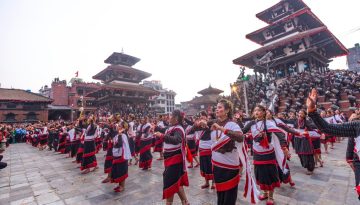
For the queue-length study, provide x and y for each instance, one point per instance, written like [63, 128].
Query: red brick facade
[20, 115]
[59, 93]
[18, 106]
[64, 95]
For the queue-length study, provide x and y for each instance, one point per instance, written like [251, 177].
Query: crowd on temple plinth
[224, 145]
[335, 87]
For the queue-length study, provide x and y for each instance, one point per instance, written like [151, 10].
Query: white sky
[187, 44]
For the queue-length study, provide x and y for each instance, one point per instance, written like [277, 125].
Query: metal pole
[72, 115]
[245, 96]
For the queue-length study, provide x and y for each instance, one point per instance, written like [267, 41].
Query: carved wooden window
[10, 117]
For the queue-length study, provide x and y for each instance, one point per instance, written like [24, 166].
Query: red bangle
[226, 131]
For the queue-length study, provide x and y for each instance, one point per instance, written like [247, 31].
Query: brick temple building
[294, 40]
[121, 90]
[208, 99]
[18, 106]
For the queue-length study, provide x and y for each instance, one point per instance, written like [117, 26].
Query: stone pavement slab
[48, 178]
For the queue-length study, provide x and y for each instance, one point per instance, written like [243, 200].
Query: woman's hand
[311, 100]
[216, 126]
[157, 134]
[121, 131]
[202, 123]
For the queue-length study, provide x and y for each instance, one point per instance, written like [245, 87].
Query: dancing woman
[175, 174]
[225, 157]
[349, 129]
[202, 127]
[268, 147]
[191, 142]
[284, 178]
[89, 157]
[159, 144]
[145, 144]
[303, 143]
[121, 155]
[132, 135]
[108, 134]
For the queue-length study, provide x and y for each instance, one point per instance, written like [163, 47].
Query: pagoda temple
[121, 83]
[295, 40]
[209, 98]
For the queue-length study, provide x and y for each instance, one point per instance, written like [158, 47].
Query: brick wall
[60, 93]
[20, 115]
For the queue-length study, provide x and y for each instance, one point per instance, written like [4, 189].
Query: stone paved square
[48, 178]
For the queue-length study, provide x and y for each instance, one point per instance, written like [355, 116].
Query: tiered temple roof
[210, 95]
[121, 80]
[294, 35]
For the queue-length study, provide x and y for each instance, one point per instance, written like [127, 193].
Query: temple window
[295, 47]
[268, 34]
[11, 105]
[126, 75]
[279, 11]
[289, 24]
[31, 116]
[10, 117]
[278, 30]
[80, 91]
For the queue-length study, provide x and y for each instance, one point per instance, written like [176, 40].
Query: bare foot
[106, 180]
[86, 171]
[205, 186]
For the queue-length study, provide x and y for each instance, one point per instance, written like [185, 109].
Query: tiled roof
[206, 99]
[124, 87]
[21, 96]
[210, 90]
[241, 60]
[121, 68]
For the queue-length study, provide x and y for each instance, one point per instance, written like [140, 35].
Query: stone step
[357, 95]
[321, 98]
[344, 96]
[344, 104]
[326, 105]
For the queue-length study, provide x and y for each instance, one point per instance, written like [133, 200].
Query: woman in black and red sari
[175, 174]
[89, 158]
[68, 141]
[62, 140]
[225, 157]
[80, 129]
[303, 143]
[132, 135]
[284, 178]
[76, 143]
[270, 151]
[121, 154]
[145, 144]
[159, 143]
[191, 142]
[109, 134]
[202, 129]
[43, 138]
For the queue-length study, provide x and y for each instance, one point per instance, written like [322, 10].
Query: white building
[164, 103]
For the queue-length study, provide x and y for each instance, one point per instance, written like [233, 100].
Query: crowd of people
[137, 109]
[222, 144]
[293, 89]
